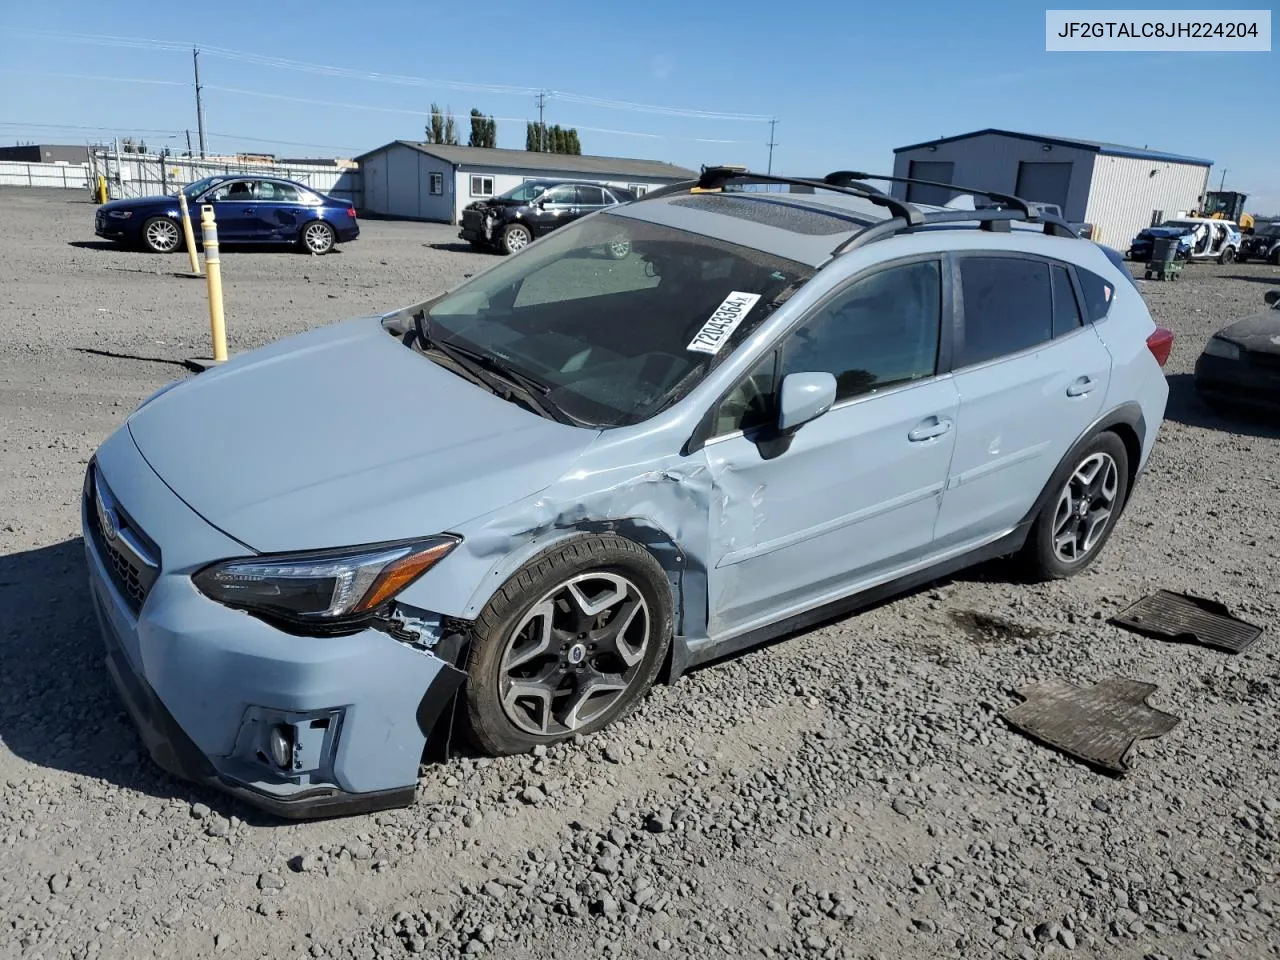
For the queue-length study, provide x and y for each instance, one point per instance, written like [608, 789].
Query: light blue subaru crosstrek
[508, 510]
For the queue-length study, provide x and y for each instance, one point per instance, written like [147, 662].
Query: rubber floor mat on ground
[1098, 724]
[1166, 615]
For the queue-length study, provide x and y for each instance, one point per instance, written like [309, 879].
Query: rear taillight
[351, 212]
[1160, 343]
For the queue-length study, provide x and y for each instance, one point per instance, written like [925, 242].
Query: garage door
[930, 170]
[1044, 182]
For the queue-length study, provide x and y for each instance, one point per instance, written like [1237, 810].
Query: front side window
[1008, 307]
[880, 332]
[481, 186]
[565, 193]
[234, 190]
[615, 341]
[527, 191]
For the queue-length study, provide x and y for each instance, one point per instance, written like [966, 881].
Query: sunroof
[770, 213]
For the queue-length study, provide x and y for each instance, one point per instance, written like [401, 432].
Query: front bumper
[110, 229]
[1241, 382]
[206, 685]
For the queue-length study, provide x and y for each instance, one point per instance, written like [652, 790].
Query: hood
[343, 436]
[1259, 333]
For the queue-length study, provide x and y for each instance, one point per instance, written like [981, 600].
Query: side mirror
[804, 397]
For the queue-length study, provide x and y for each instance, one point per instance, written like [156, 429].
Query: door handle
[929, 429]
[247, 210]
[1081, 387]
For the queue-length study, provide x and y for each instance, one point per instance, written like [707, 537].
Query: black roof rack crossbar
[991, 218]
[714, 178]
[841, 176]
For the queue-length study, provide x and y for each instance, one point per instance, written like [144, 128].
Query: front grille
[131, 557]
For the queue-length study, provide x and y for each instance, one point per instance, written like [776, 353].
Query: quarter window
[1008, 307]
[481, 186]
[437, 184]
[880, 332]
[1066, 312]
[1098, 294]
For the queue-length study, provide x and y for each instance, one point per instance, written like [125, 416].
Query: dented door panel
[851, 495]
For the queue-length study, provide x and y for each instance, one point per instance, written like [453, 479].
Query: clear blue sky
[848, 82]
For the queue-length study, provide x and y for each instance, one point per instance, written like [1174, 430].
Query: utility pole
[1223, 181]
[188, 143]
[772, 124]
[542, 130]
[195, 59]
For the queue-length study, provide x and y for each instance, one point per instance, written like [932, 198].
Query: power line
[355, 74]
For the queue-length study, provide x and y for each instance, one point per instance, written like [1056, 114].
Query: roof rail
[1008, 199]
[715, 178]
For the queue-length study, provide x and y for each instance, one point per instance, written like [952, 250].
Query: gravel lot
[847, 793]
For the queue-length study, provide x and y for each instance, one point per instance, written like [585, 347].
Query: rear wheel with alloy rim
[317, 237]
[1089, 494]
[161, 235]
[568, 644]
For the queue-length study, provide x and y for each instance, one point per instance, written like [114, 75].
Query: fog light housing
[280, 743]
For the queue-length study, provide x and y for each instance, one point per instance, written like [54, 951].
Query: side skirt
[1009, 544]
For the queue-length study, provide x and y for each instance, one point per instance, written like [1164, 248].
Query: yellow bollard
[217, 323]
[102, 189]
[188, 233]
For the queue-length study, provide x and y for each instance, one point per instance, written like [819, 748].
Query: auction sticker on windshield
[716, 331]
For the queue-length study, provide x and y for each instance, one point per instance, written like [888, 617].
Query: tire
[317, 238]
[1228, 255]
[161, 235]
[1274, 259]
[515, 237]
[1048, 555]
[509, 656]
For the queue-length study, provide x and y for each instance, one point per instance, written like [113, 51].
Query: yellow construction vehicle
[1228, 205]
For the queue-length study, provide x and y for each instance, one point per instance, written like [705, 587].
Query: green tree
[484, 131]
[450, 129]
[575, 145]
[435, 129]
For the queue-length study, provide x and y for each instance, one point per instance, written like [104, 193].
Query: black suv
[511, 221]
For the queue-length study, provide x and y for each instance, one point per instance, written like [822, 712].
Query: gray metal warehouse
[1118, 189]
[434, 181]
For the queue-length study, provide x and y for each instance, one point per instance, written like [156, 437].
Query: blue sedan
[248, 209]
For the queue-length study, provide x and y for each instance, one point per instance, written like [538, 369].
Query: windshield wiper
[493, 374]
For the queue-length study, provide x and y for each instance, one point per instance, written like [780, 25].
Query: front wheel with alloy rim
[568, 644]
[317, 237]
[1227, 255]
[161, 235]
[1087, 497]
[515, 238]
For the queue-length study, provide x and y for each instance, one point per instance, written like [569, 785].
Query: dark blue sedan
[248, 209]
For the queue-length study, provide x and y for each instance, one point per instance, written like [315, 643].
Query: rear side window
[1098, 294]
[1066, 312]
[1008, 307]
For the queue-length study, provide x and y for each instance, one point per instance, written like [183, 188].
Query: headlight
[1217, 347]
[325, 591]
[120, 214]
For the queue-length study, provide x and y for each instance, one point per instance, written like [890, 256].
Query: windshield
[525, 192]
[193, 190]
[617, 317]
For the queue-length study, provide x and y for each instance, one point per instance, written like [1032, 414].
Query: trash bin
[1164, 249]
